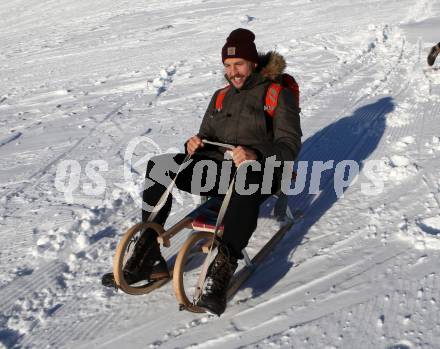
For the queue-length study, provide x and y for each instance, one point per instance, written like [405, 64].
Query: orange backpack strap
[220, 97]
[271, 102]
[274, 90]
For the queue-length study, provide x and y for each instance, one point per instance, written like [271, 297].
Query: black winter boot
[146, 262]
[435, 50]
[219, 275]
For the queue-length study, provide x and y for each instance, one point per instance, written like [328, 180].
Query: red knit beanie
[240, 44]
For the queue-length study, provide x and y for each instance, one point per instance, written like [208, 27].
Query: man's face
[237, 70]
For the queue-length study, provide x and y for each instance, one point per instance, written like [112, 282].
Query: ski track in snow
[357, 271]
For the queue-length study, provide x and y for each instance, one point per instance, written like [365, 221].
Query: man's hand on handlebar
[193, 144]
[241, 154]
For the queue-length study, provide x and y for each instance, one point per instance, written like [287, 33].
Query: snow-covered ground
[81, 79]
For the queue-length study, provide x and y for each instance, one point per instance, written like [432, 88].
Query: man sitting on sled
[239, 115]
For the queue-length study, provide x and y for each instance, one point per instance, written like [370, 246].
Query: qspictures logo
[90, 179]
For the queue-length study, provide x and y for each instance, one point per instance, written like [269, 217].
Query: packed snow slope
[80, 79]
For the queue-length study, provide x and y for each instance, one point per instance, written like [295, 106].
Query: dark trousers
[240, 220]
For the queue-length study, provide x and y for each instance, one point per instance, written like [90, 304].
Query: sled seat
[206, 220]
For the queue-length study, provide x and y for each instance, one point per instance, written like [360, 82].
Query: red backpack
[272, 94]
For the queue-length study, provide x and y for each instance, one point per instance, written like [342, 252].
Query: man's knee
[162, 168]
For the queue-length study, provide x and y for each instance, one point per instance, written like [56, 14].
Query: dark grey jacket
[242, 120]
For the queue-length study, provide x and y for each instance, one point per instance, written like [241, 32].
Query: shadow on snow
[353, 137]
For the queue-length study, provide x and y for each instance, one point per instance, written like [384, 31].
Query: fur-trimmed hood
[271, 65]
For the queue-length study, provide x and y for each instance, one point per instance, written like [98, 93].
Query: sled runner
[128, 240]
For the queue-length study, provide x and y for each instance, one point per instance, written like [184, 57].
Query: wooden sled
[194, 251]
